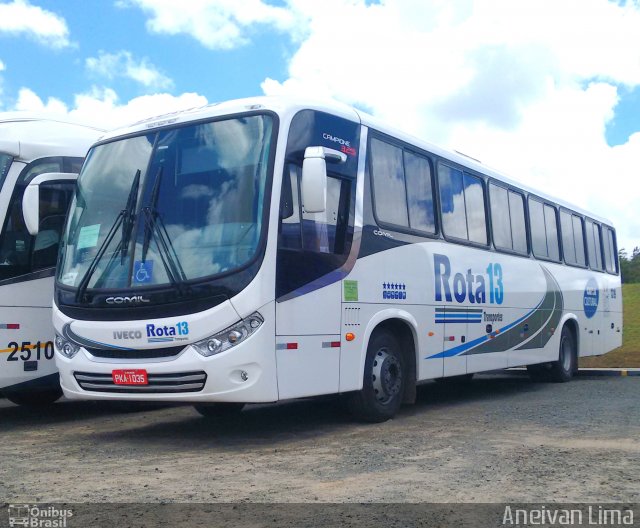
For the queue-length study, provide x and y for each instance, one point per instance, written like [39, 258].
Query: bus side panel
[394, 283]
[307, 330]
[25, 321]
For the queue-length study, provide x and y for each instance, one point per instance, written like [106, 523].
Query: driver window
[54, 203]
[318, 232]
[311, 245]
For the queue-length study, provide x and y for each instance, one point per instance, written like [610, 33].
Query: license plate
[130, 377]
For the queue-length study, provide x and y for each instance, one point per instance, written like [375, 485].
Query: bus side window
[462, 202]
[317, 232]
[323, 232]
[594, 245]
[610, 251]
[289, 229]
[20, 252]
[54, 203]
[551, 229]
[311, 245]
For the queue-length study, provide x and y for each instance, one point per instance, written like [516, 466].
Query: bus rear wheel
[384, 380]
[563, 369]
[34, 398]
[219, 409]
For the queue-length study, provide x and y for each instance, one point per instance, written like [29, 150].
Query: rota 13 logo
[467, 286]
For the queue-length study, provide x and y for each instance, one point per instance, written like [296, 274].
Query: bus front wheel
[384, 380]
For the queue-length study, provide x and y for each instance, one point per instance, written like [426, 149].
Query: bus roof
[287, 106]
[28, 136]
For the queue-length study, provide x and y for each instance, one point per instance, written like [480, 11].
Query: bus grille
[151, 353]
[158, 383]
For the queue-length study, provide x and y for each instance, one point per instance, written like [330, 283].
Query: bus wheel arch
[390, 352]
[572, 324]
[565, 367]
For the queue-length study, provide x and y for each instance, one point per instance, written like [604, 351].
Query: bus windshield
[167, 207]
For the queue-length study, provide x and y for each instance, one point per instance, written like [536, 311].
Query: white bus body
[404, 263]
[31, 148]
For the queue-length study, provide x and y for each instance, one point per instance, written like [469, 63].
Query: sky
[546, 91]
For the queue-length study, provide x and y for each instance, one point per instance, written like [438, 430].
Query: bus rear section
[46, 154]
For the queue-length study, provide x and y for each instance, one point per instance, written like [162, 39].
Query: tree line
[630, 265]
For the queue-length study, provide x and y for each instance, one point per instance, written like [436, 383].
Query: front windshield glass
[193, 210]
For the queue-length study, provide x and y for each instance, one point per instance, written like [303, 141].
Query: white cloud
[216, 24]
[20, 17]
[101, 107]
[526, 86]
[123, 64]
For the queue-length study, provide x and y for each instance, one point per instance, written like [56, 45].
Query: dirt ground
[499, 438]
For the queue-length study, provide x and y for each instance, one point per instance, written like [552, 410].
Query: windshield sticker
[88, 237]
[143, 271]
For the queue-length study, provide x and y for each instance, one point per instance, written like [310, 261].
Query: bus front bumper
[245, 373]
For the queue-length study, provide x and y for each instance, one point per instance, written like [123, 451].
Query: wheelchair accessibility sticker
[143, 271]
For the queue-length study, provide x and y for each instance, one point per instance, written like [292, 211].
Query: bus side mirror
[314, 177]
[31, 197]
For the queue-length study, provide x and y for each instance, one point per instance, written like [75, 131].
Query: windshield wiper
[129, 217]
[125, 215]
[155, 225]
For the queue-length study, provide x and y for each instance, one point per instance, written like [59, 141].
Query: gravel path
[499, 438]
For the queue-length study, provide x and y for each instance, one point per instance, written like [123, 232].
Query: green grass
[628, 355]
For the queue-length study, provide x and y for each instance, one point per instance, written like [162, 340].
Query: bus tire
[384, 380]
[219, 409]
[34, 398]
[536, 372]
[562, 370]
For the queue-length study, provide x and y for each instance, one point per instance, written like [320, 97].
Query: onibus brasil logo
[34, 516]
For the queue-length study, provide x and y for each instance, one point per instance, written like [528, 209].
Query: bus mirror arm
[31, 198]
[314, 177]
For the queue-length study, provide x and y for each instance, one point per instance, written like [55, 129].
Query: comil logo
[38, 516]
[126, 299]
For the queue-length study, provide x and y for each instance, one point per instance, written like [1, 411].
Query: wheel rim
[566, 354]
[386, 376]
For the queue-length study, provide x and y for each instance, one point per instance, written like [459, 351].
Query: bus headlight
[229, 337]
[66, 347]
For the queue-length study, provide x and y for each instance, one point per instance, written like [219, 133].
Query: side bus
[272, 248]
[39, 162]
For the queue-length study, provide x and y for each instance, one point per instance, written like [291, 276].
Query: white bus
[35, 154]
[267, 249]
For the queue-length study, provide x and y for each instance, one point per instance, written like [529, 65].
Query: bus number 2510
[28, 351]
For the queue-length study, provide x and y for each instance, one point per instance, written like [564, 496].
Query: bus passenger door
[311, 249]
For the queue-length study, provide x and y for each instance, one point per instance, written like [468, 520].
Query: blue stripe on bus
[454, 315]
[466, 346]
